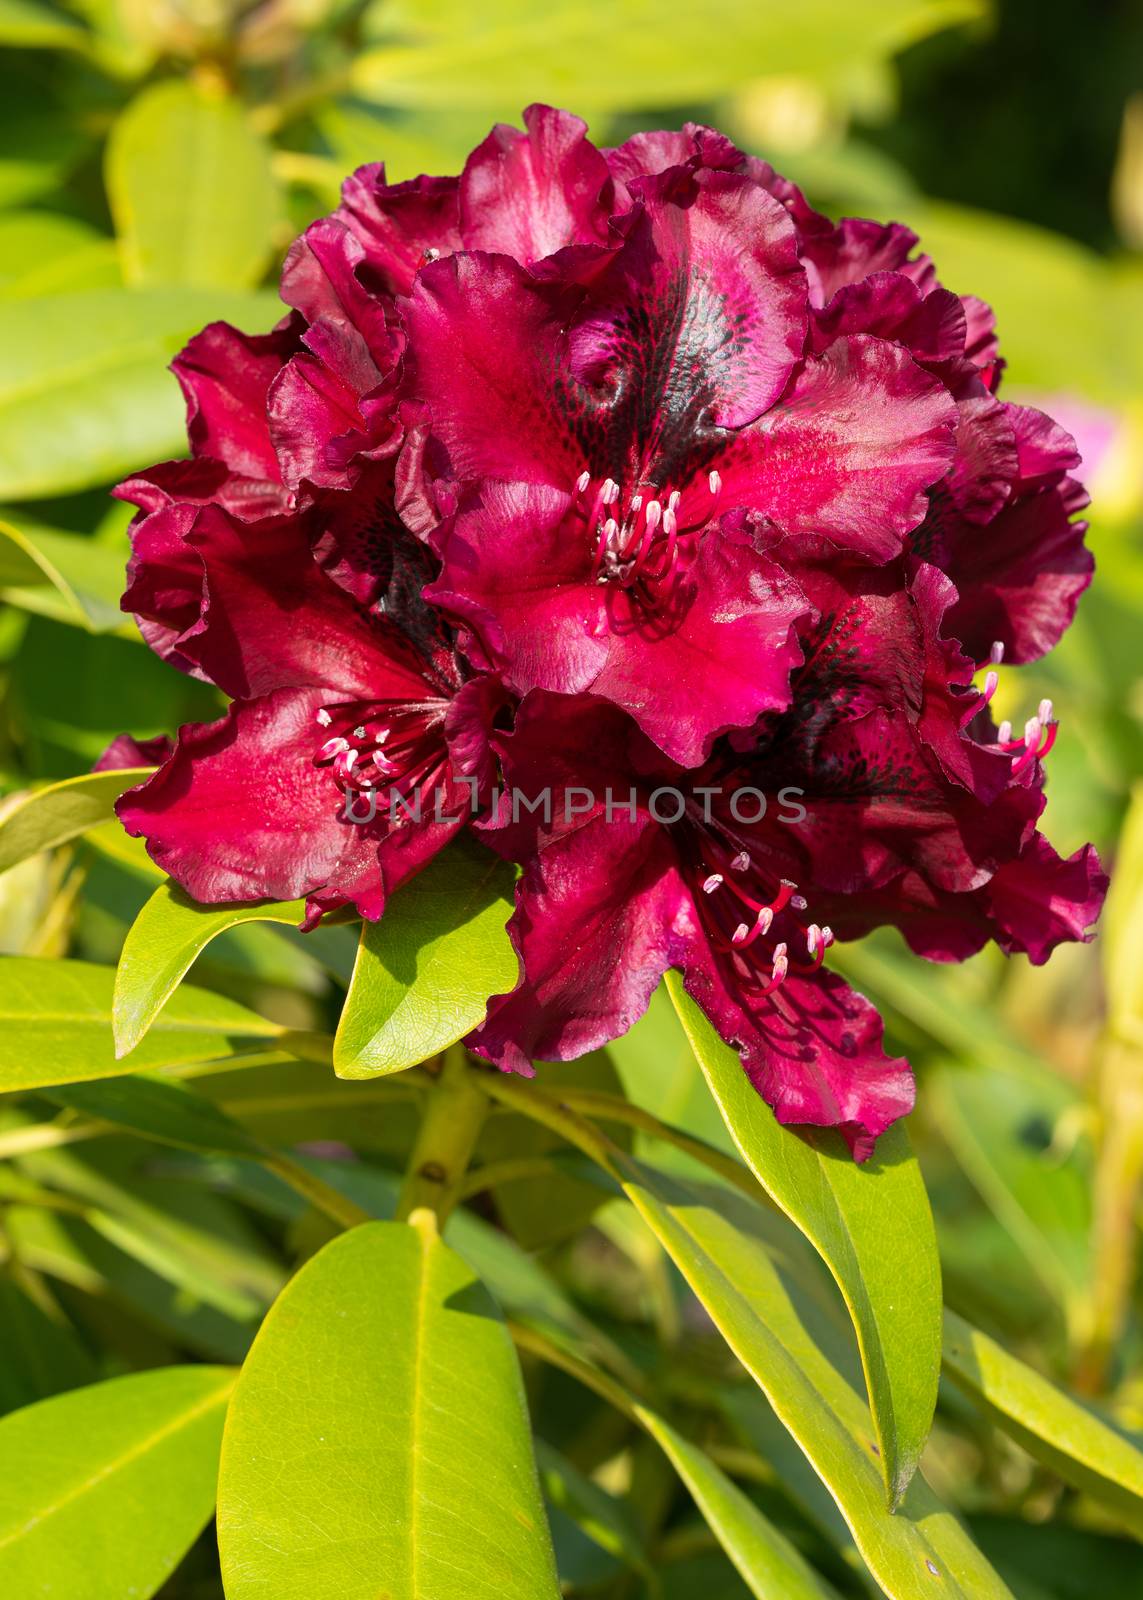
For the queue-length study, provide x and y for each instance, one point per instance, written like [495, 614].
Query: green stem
[454, 1113]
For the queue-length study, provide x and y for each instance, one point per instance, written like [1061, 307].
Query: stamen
[741, 861]
[654, 514]
[712, 883]
[1004, 733]
[582, 482]
[324, 718]
[996, 654]
[610, 492]
[715, 481]
[1044, 712]
[991, 684]
[779, 969]
[673, 502]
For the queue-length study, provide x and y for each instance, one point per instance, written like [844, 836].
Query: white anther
[996, 654]
[610, 492]
[741, 861]
[654, 514]
[670, 522]
[798, 902]
[715, 481]
[351, 759]
[739, 933]
[991, 684]
[1004, 733]
[324, 718]
[636, 502]
[827, 937]
[1032, 733]
[764, 919]
[673, 501]
[712, 883]
[582, 482]
[1044, 713]
[331, 748]
[813, 934]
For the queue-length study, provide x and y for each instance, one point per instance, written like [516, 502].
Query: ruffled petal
[848, 453]
[814, 1051]
[241, 813]
[530, 194]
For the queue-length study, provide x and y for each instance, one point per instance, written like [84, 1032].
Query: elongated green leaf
[443, 53]
[600, 1515]
[84, 394]
[39, 1355]
[871, 1225]
[164, 940]
[49, 817]
[731, 1273]
[1002, 1126]
[767, 1560]
[425, 971]
[55, 1025]
[104, 1489]
[64, 576]
[191, 190]
[1051, 1426]
[717, 1239]
[159, 1108]
[403, 1393]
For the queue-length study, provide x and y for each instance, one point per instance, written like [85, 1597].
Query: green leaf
[64, 576]
[166, 936]
[442, 53]
[32, 25]
[401, 1463]
[600, 1515]
[873, 1228]
[191, 189]
[42, 253]
[1075, 1443]
[49, 817]
[56, 1021]
[84, 395]
[710, 1240]
[39, 1354]
[159, 1108]
[768, 1562]
[103, 1490]
[1121, 928]
[425, 972]
[1002, 1126]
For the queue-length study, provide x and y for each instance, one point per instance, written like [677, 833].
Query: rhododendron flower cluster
[610, 473]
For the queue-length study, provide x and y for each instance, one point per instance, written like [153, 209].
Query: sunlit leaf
[42, 253]
[191, 189]
[63, 576]
[168, 934]
[442, 53]
[84, 394]
[115, 1516]
[49, 817]
[404, 1391]
[873, 1228]
[55, 1025]
[1084, 1450]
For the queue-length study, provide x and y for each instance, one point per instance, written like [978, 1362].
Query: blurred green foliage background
[156, 156]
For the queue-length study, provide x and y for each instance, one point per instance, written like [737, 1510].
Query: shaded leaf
[424, 973]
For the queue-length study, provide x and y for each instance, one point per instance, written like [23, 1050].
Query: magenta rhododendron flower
[621, 500]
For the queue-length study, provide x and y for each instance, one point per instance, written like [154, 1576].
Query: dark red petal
[400, 225]
[125, 751]
[1039, 900]
[813, 1051]
[226, 377]
[849, 451]
[241, 813]
[530, 194]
